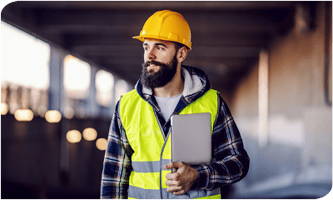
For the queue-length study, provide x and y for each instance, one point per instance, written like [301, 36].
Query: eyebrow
[157, 44]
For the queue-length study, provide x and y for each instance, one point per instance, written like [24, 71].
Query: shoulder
[130, 93]
[133, 94]
[211, 95]
[128, 101]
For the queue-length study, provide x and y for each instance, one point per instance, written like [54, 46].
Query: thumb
[173, 165]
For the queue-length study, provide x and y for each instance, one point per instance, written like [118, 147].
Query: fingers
[171, 183]
[175, 189]
[179, 192]
[171, 176]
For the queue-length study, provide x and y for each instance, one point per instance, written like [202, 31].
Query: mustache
[144, 65]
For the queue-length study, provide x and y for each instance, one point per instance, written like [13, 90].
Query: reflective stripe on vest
[152, 150]
[135, 192]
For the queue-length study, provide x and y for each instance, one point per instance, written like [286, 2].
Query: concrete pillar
[56, 78]
[56, 102]
[91, 106]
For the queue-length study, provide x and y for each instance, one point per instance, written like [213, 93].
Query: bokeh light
[73, 136]
[4, 108]
[53, 116]
[101, 144]
[24, 115]
[89, 134]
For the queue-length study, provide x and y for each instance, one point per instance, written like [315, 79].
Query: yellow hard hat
[166, 25]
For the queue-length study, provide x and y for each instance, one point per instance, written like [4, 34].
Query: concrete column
[56, 78]
[92, 107]
[56, 102]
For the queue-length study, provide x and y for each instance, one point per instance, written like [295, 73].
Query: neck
[173, 88]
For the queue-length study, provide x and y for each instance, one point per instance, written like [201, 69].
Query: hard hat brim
[139, 38]
[142, 39]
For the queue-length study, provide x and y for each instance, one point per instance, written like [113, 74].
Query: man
[137, 160]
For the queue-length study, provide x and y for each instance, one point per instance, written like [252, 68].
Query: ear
[182, 54]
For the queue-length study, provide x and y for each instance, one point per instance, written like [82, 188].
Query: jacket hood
[196, 83]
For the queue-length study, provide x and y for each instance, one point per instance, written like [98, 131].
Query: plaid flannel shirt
[230, 161]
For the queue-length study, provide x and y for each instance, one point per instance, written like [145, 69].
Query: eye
[160, 48]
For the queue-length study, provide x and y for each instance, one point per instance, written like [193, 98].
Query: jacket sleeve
[230, 161]
[117, 163]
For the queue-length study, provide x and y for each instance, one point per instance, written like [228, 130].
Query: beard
[160, 78]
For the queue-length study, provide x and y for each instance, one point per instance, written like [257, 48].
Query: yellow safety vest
[152, 149]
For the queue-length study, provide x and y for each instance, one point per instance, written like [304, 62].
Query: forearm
[220, 173]
[117, 164]
[112, 189]
[230, 161]
[115, 177]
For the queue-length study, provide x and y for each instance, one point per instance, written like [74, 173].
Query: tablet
[191, 138]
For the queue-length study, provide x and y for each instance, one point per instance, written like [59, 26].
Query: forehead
[149, 41]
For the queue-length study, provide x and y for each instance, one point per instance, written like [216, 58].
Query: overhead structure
[226, 36]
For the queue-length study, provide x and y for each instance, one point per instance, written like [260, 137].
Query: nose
[150, 55]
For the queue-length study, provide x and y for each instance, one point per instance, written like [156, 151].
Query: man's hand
[182, 180]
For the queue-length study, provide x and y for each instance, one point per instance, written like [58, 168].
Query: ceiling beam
[226, 36]
[147, 5]
[96, 21]
[207, 51]
[240, 39]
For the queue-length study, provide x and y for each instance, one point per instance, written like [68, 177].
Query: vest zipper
[165, 141]
[218, 108]
[161, 158]
[158, 121]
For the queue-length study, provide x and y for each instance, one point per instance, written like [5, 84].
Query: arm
[117, 164]
[230, 160]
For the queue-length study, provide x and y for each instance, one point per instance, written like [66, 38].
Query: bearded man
[137, 160]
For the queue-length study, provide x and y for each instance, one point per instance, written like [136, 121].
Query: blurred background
[64, 65]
